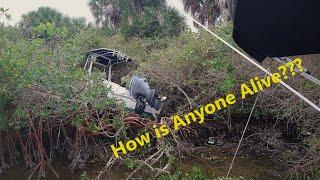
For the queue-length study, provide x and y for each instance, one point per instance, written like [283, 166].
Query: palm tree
[136, 17]
[212, 12]
[111, 12]
[193, 6]
[105, 12]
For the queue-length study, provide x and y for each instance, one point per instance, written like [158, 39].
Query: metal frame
[306, 74]
[105, 58]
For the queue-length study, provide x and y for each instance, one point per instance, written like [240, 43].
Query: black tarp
[277, 28]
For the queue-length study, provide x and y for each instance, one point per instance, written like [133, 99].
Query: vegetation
[49, 105]
[212, 12]
[4, 15]
[46, 15]
[139, 18]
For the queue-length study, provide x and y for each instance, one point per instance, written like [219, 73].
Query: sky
[72, 8]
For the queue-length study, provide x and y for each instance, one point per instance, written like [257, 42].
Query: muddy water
[261, 168]
[249, 168]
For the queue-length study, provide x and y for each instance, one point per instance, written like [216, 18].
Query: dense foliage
[46, 15]
[42, 80]
[4, 15]
[140, 18]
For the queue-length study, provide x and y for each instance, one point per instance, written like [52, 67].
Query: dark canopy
[109, 57]
[277, 28]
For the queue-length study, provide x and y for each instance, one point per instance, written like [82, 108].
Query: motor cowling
[143, 93]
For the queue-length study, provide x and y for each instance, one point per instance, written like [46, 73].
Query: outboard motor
[141, 91]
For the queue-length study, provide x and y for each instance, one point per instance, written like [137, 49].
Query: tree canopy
[46, 15]
[212, 12]
[143, 18]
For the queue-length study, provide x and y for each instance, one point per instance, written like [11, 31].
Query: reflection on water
[250, 168]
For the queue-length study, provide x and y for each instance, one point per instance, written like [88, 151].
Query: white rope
[244, 132]
[258, 65]
[255, 103]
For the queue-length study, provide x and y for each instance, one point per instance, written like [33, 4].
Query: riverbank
[203, 164]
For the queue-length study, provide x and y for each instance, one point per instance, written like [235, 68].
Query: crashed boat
[139, 96]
